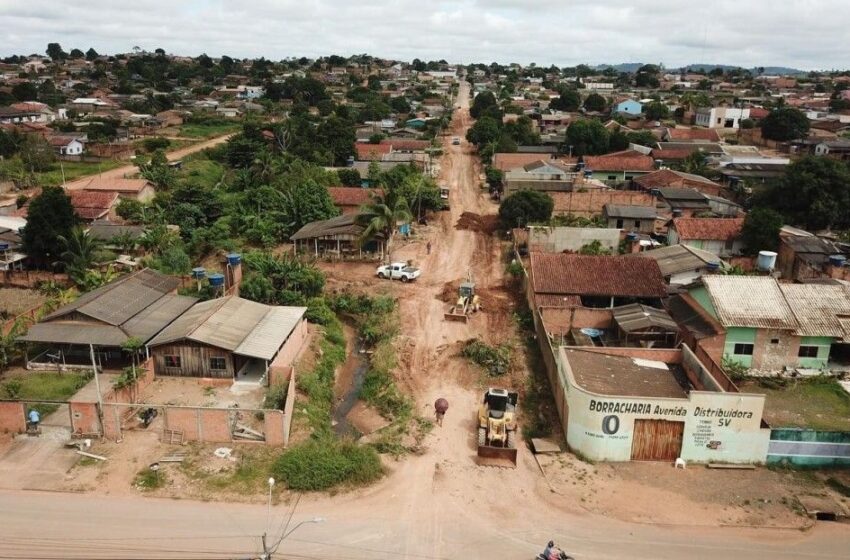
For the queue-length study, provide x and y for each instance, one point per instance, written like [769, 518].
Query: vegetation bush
[276, 396]
[147, 479]
[525, 207]
[496, 361]
[320, 465]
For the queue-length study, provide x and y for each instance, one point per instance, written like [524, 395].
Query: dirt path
[120, 172]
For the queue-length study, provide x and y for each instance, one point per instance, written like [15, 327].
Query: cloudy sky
[807, 34]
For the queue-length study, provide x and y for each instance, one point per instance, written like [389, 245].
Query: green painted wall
[701, 296]
[809, 448]
[823, 343]
[739, 335]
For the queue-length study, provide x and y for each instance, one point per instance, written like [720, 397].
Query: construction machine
[497, 428]
[467, 302]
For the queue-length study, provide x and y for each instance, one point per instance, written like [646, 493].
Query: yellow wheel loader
[497, 429]
[467, 302]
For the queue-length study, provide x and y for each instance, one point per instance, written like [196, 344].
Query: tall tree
[785, 124]
[814, 193]
[524, 207]
[595, 102]
[761, 230]
[79, 253]
[91, 54]
[55, 52]
[49, 217]
[587, 137]
[380, 219]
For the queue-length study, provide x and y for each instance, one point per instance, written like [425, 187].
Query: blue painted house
[629, 107]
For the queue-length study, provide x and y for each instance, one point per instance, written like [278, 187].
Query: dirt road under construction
[436, 505]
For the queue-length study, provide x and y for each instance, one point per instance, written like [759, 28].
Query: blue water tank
[216, 280]
[588, 173]
[712, 265]
[766, 261]
[837, 260]
[4, 246]
[632, 236]
[234, 259]
[199, 272]
[404, 229]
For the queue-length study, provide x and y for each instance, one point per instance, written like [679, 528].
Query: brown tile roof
[674, 154]
[508, 161]
[707, 134]
[371, 151]
[671, 178]
[559, 273]
[88, 205]
[352, 196]
[407, 145]
[718, 229]
[626, 160]
[117, 185]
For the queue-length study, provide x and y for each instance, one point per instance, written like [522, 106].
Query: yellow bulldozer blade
[491, 456]
[456, 315]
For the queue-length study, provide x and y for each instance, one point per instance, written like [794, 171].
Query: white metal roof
[271, 332]
[817, 308]
[749, 301]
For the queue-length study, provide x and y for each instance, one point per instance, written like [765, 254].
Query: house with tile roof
[720, 236]
[599, 281]
[619, 167]
[691, 135]
[772, 326]
[666, 178]
[350, 199]
[134, 189]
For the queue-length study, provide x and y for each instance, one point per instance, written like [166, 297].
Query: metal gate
[657, 440]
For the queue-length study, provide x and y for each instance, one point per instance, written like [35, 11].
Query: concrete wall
[12, 417]
[280, 367]
[809, 448]
[560, 239]
[559, 321]
[718, 427]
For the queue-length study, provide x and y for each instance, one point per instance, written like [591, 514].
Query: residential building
[772, 326]
[681, 265]
[540, 175]
[619, 167]
[802, 258]
[667, 178]
[684, 202]
[598, 281]
[66, 145]
[697, 135]
[336, 237]
[835, 149]
[349, 200]
[133, 189]
[721, 117]
[720, 236]
[628, 107]
[639, 219]
[228, 337]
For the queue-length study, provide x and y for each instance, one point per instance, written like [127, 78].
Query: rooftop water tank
[834, 260]
[632, 236]
[216, 280]
[712, 265]
[766, 261]
[199, 272]
[234, 259]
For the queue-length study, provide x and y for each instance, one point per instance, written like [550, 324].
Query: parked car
[398, 271]
[456, 141]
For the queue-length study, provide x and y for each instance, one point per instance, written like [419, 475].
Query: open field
[203, 131]
[75, 170]
[818, 404]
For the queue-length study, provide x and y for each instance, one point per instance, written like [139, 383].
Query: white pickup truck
[398, 271]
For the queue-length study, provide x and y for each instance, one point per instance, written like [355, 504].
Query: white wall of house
[721, 117]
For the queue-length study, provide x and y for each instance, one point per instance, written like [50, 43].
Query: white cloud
[806, 34]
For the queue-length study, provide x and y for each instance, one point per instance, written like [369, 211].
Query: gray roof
[108, 231]
[628, 211]
[811, 245]
[635, 317]
[749, 301]
[341, 225]
[674, 259]
[137, 305]
[817, 307]
[672, 193]
[238, 325]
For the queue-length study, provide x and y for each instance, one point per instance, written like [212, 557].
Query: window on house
[218, 363]
[637, 223]
[774, 341]
[719, 121]
[620, 223]
[172, 361]
[612, 177]
[743, 349]
[807, 352]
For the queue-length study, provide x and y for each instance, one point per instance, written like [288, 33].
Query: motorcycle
[146, 416]
[555, 553]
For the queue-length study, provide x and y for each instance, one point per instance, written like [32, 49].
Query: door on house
[657, 440]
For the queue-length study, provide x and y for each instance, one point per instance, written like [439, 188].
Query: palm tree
[79, 254]
[381, 218]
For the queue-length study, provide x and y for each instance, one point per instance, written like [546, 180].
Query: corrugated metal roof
[157, 316]
[635, 317]
[674, 259]
[817, 307]
[129, 297]
[75, 332]
[749, 301]
[271, 332]
[239, 325]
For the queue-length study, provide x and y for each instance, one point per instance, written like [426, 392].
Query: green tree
[55, 52]
[587, 137]
[485, 103]
[25, 91]
[380, 220]
[594, 248]
[647, 76]
[568, 100]
[50, 216]
[785, 124]
[595, 102]
[761, 230]
[656, 111]
[91, 54]
[524, 207]
[79, 255]
[814, 193]
[76, 54]
[349, 177]
[486, 130]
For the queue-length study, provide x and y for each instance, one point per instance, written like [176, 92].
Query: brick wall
[559, 321]
[12, 418]
[214, 425]
[275, 428]
[183, 419]
[84, 418]
[666, 355]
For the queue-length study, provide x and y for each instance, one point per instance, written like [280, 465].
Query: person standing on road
[428, 247]
[34, 419]
[441, 405]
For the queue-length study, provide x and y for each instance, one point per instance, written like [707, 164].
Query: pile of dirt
[492, 300]
[478, 223]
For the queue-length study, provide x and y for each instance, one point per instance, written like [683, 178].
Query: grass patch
[318, 383]
[147, 480]
[320, 465]
[74, 170]
[249, 474]
[495, 360]
[43, 385]
[208, 130]
[817, 403]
